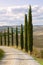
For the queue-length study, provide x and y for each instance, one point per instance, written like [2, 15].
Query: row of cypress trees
[6, 37]
[29, 32]
[26, 38]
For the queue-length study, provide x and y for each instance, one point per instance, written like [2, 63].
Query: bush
[1, 54]
[41, 53]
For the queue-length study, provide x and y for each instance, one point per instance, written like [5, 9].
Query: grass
[2, 53]
[40, 60]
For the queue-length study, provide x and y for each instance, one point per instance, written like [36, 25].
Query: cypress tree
[4, 38]
[21, 37]
[30, 30]
[8, 37]
[26, 44]
[12, 35]
[1, 39]
[16, 36]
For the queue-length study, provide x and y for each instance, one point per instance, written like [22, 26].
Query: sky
[12, 12]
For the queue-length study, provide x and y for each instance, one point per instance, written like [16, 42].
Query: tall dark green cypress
[16, 36]
[30, 29]
[26, 44]
[21, 38]
[4, 38]
[1, 39]
[8, 37]
[12, 35]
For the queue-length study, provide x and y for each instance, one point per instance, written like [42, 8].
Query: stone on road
[16, 57]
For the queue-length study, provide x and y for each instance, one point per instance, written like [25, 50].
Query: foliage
[1, 38]
[12, 35]
[5, 37]
[30, 30]
[21, 37]
[16, 36]
[26, 44]
[8, 37]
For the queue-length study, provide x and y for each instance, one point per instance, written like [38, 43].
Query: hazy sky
[20, 2]
[12, 11]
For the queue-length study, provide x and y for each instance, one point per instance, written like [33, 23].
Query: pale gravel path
[16, 57]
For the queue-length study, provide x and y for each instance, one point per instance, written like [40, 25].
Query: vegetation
[1, 38]
[4, 38]
[40, 60]
[21, 37]
[16, 36]
[1, 54]
[12, 35]
[26, 44]
[30, 31]
[8, 37]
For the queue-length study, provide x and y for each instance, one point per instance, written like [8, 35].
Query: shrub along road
[16, 57]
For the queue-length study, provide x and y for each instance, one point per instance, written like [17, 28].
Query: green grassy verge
[2, 53]
[40, 60]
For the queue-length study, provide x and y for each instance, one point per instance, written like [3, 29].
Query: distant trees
[1, 38]
[21, 38]
[8, 37]
[12, 35]
[4, 37]
[16, 36]
[26, 44]
[30, 30]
